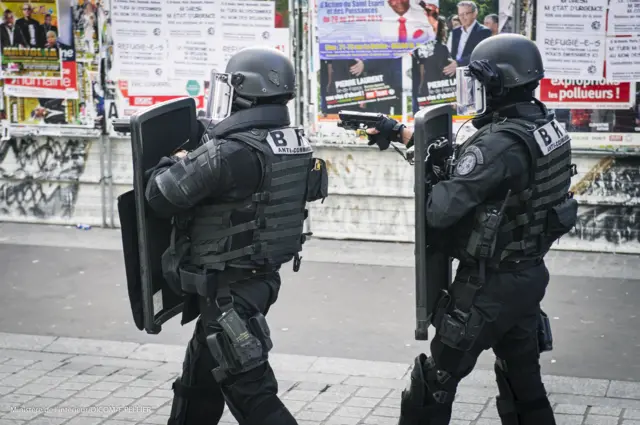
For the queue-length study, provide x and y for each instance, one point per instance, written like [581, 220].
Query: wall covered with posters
[71, 66]
[398, 56]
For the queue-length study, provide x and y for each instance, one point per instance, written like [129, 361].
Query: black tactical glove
[489, 75]
[390, 131]
[438, 153]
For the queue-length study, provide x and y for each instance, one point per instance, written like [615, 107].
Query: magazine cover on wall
[30, 39]
[36, 101]
[85, 31]
[458, 26]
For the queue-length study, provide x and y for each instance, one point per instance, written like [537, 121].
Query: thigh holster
[240, 346]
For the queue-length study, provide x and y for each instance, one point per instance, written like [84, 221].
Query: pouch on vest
[561, 219]
[317, 181]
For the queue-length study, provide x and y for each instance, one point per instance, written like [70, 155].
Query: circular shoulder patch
[466, 164]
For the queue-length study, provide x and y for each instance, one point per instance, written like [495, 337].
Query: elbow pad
[187, 182]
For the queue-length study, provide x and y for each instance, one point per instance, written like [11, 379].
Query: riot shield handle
[122, 125]
[422, 330]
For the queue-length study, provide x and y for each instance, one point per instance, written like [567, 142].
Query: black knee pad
[517, 407]
[430, 396]
[239, 347]
[198, 399]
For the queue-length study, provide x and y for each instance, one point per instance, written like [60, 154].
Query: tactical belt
[205, 284]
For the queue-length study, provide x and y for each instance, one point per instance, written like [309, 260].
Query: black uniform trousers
[509, 303]
[250, 396]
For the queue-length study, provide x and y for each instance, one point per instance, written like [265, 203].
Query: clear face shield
[471, 97]
[220, 97]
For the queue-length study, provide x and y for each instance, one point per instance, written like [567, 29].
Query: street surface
[343, 331]
[349, 300]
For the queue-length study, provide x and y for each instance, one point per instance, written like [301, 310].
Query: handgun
[359, 121]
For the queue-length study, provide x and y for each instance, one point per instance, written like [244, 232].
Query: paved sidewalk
[53, 380]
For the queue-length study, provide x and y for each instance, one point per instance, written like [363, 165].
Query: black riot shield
[433, 267]
[155, 132]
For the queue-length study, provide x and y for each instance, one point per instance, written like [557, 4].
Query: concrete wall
[65, 180]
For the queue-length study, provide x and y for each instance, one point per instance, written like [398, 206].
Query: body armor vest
[540, 214]
[265, 230]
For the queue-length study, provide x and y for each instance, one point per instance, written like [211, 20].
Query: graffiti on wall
[40, 178]
[610, 203]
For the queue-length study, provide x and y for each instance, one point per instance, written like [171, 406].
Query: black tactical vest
[540, 214]
[267, 228]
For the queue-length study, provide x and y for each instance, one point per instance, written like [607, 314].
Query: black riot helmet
[502, 68]
[515, 55]
[254, 76]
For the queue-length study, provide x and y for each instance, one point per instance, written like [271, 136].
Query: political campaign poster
[29, 39]
[370, 85]
[371, 29]
[432, 81]
[434, 62]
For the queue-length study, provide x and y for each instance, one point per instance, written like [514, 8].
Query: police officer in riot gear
[238, 207]
[505, 202]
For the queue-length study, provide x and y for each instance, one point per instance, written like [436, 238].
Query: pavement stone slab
[91, 347]
[359, 368]
[131, 384]
[624, 389]
[25, 342]
[158, 352]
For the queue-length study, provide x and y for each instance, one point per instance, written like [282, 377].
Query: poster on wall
[85, 31]
[135, 96]
[371, 29]
[29, 39]
[185, 39]
[41, 111]
[571, 37]
[623, 58]
[434, 62]
[66, 85]
[581, 94]
[361, 85]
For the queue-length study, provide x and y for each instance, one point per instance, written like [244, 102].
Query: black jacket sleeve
[480, 170]
[236, 176]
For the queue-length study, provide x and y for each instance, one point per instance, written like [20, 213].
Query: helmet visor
[220, 96]
[471, 98]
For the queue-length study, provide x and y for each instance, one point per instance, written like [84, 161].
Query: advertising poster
[361, 85]
[29, 39]
[65, 86]
[41, 111]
